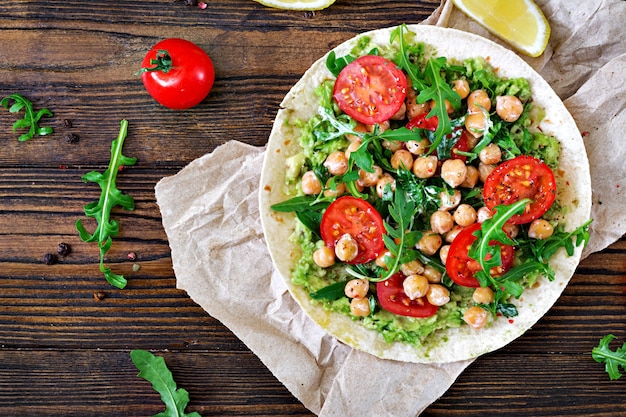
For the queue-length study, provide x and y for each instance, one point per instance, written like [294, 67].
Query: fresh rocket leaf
[330, 292]
[403, 35]
[109, 198]
[154, 370]
[31, 118]
[335, 65]
[613, 360]
[305, 202]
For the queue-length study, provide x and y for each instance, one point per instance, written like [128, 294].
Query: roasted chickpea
[484, 170]
[392, 145]
[337, 163]
[453, 233]
[490, 154]
[483, 214]
[443, 253]
[448, 201]
[512, 230]
[346, 248]
[441, 221]
[358, 128]
[400, 114]
[402, 158]
[353, 147]
[324, 257]
[360, 307]
[415, 286]
[380, 259]
[461, 87]
[453, 172]
[418, 147]
[382, 184]
[425, 166]
[509, 108]
[432, 275]
[483, 295]
[477, 101]
[412, 268]
[471, 177]
[476, 317]
[357, 288]
[446, 102]
[465, 215]
[382, 126]
[369, 179]
[438, 295]
[413, 109]
[339, 190]
[540, 229]
[476, 124]
[310, 184]
[430, 243]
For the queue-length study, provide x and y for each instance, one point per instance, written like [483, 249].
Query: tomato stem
[162, 62]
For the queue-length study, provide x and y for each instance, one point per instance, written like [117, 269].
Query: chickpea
[484, 170]
[477, 101]
[339, 190]
[476, 124]
[471, 177]
[360, 307]
[453, 172]
[337, 163]
[310, 184]
[353, 147]
[346, 248]
[483, 295]
[392, 145]
[509, 108]
[483, 214]
[402, 159]
[432, 275]
[412, 268]
[357, 288]
[382, 126]
[443, 253]
[413, 109]
[540, 229]
[448, 201]
[430, 243]
[418, 148]
[476, 317]
[425, 166]
[465, 215]
[441, 221]
[438, 295]
[453, 233]
[358, 128]
[461, 87]
[369, 179]
[415, 286]
[400, 114]
[324, 257]
[380, 260]
[491, 154]
[383, 182]
[512, 230]
[446, 102]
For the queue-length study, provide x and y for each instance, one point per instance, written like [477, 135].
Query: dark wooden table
[64, 352]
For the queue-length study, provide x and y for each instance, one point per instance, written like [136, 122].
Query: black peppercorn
[64, 249]
[50, 259]
[67, 123]
[71, 138]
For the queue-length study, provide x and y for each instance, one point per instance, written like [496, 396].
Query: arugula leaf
[330, 292]
[403, 60]
[613, 360]
[335, 65]
[109, 198]
[304, 202]
[154, 370]
[30, 120]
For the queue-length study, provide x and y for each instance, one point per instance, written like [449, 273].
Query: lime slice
[518, 22]
[297, 4]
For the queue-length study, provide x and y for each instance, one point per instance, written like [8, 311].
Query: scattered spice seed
[64, 249]
[131, 256]
[50, 259]
[67, 123]
[99, 295]
[71, 138]
[136, 267]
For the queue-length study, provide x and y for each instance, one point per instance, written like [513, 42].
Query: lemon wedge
[518, 22]
[297, 4]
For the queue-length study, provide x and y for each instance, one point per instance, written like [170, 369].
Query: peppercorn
[67, 123]
[64, 249]
[50, 259]
[71, 138]
[99, 295]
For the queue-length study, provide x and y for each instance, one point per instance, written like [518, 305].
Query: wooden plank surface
[65, 352]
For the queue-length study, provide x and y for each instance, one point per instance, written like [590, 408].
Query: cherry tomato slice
[360, 220]
[521, 177]
[461, 268]
[431, 123]
[392, 298]
[370, 89]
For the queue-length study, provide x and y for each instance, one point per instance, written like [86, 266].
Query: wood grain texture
[64, 352]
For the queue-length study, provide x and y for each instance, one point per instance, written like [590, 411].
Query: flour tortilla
[452, 344]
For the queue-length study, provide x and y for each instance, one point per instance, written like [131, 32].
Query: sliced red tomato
[392, 298]
[431, 123]
[360, 220]
[370, 89]
[461, 268]
[518, 178]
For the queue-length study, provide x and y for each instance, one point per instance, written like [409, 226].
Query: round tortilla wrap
[457, 343]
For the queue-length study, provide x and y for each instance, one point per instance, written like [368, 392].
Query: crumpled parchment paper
[211, 216]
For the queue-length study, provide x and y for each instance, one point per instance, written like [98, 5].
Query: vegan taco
[425, 194]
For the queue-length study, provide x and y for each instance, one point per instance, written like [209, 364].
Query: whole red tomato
[177, 73]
